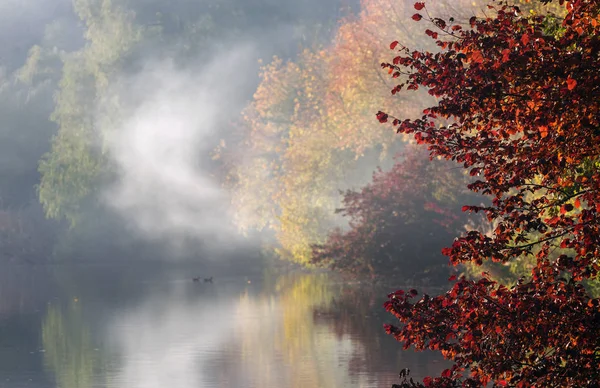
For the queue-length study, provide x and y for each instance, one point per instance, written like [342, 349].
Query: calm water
[97, 327]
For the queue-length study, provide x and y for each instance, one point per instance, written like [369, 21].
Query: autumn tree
[308, 133]
[521, 94]
[399, 222]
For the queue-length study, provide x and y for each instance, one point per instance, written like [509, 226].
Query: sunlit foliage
[521, 100]
[309, 131]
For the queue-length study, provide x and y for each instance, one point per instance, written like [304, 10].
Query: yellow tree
[310, 130]
[285, 178]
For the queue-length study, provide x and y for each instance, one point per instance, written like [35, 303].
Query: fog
[164, 188]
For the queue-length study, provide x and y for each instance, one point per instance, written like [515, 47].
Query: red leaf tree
[399, 222]
[518, 105]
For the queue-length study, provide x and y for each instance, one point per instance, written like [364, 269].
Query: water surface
[127, 328]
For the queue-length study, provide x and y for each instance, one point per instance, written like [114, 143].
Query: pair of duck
[206, 280]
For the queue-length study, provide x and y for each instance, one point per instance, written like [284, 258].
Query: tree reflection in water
[307, 331]
[69, 352]
[296, 330]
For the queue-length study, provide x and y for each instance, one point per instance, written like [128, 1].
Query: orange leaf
[476, 56]
[571, 83]
[577, 203]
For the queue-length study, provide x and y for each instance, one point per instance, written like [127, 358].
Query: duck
[196, 279]
[208, 280]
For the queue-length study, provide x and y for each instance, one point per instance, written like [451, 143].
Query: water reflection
[299, 330]
[280, 343]
[68, 351]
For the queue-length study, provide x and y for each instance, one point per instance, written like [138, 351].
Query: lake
[131, 327]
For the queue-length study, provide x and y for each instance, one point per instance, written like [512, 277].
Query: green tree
[76, 165]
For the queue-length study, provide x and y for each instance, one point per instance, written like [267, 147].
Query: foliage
[308, 133]
[76, 166]
[523, 119]
[25, 104]
[282, 179]
[408, 212]
[26, 101]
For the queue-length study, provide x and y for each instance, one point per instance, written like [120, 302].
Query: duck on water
[206, 280]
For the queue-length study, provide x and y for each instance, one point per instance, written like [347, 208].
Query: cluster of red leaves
[400, 222]
[543, 333]
[519, 107]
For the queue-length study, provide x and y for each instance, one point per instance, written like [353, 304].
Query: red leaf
[525, 39]
[571, 83]
[419, 6]
[447, 373]
[382, 117]
[393, 44]
[416, 17]
[433, 34]
[452, 278]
